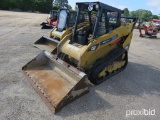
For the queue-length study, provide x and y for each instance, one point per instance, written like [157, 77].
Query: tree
[76, 8]
[60, 3]
[34, 5]
[4, 4]
[69, 7]
[126, 12]
[142, 14]
[133, 13]
[146, 15]
[44, 5]
[55, 7]
[155, 17]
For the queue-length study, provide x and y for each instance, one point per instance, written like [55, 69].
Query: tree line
[43, 6]
[143, 15]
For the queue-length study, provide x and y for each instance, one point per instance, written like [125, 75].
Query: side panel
[105, 45]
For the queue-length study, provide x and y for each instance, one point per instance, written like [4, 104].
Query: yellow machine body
[87, 58]
[95, 49]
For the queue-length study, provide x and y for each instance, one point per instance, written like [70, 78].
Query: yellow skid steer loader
[95, 52]
[66, 21]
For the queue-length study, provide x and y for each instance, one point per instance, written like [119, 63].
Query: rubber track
[102, 63]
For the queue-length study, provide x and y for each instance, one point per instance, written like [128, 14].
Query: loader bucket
[47, 26]
[46, 43]
[55, 81]
[42, 23]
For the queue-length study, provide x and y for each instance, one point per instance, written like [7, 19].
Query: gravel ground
[136, 88]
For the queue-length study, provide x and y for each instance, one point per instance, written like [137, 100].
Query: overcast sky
[152, 5]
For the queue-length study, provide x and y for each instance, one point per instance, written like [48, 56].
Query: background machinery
[51, 20]
[156, 23]
[96, 52]
[149, 31]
